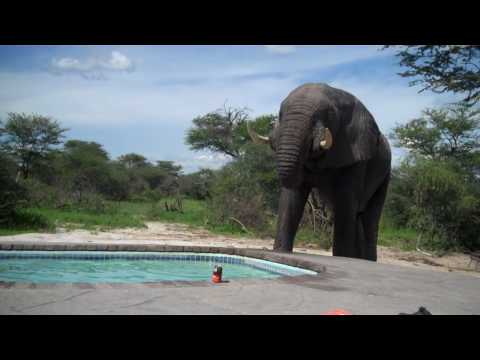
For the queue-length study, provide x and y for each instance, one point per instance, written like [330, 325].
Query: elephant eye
[316, 118]
[320, 117]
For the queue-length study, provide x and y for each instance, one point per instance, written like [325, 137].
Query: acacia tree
[133, 160]
[452, 133]
[29, 138]
[443, 68]
[219, 131]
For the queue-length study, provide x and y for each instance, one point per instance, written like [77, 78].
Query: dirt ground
[176, 234]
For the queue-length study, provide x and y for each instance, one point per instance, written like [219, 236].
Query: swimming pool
[132, 267]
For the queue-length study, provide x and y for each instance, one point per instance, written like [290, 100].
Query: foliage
[29, 138]
[400, 196]
[449, 133]
[133, 160]
[445, 206]
[27, 220]
[443, 68]
[246, 190]
[11, 193]
[113, 215]
[87, 170]
[400, 237]
[222, 131]
[197, 185]
[170, 173]
[435, 189]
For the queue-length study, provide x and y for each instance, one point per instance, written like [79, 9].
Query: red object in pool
[217, 274]
[337, 312]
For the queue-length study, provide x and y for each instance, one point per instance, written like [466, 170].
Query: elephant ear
[355, 136]
[362, 133]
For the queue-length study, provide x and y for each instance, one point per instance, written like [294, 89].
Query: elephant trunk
[292, 148]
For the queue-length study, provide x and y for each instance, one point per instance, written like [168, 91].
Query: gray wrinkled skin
[352, 176]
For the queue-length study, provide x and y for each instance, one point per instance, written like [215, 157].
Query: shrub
[11, 193]
[24, 219]
[197, 185]
[445, 207]
[237, 195]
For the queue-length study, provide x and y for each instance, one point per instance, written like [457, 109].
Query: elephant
[326, 140]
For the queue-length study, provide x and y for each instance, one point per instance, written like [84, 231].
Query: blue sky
[142, 99]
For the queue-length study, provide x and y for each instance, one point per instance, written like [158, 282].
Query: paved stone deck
[360, 286]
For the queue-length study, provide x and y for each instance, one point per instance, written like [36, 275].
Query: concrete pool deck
[359, 286]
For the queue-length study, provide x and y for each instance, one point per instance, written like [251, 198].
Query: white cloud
[118, 61]
[281, 49]
[94, 67]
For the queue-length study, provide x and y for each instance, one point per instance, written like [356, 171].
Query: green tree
[442, 134]
[10, 191]
[86, 164]
[247, 188]
[133, 160]
[169, 177]
[436, 188]
[29, 138]
[197, 185]
[220, 131]
[443, 68]
[169, 168]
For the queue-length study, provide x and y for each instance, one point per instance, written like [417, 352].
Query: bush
[399, 197]
[147, 196]
[24, 219]
[443, 206]
[197, 185]
[40, 195]
[246, 190]
[11, 193]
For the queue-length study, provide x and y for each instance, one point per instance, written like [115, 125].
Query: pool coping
[262, 254]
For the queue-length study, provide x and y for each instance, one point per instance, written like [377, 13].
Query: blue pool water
[131, 267]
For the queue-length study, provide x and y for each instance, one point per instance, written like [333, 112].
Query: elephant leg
[345, 228]
[290, 211]
[360, 248]
[348, 230]
[371, 219]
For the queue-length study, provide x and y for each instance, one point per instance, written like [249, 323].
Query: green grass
[400, 238]
[195, 214]
[117, 215]
[114, 217]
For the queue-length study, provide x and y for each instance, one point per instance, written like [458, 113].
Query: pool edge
[262, 254]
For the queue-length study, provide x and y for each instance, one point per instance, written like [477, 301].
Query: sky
[142, 99]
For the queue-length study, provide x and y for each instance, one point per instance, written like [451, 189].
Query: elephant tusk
[327, 142]
[257, 139]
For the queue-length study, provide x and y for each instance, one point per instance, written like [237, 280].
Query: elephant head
[316, 129]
